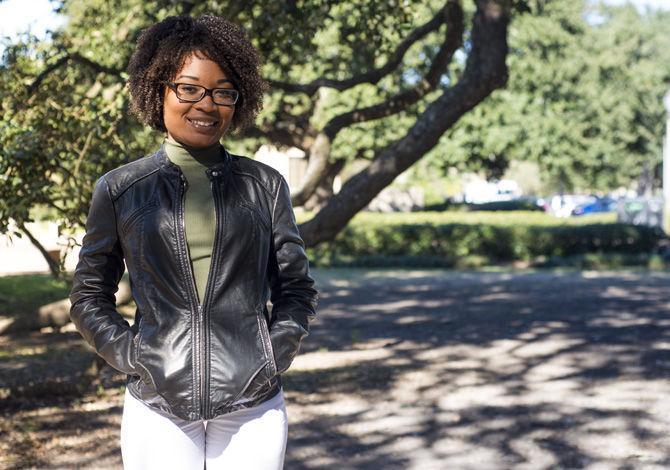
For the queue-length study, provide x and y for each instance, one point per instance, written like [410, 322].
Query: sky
[642, 4]
[37, 16]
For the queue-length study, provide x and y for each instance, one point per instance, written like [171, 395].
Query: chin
[197, 141]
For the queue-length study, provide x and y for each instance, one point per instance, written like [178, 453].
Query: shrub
[475, 239]
[515, 205]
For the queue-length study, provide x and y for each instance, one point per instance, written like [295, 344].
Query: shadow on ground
[436, 369]
[484, 370]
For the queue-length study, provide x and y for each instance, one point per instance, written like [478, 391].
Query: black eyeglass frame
[208, 91]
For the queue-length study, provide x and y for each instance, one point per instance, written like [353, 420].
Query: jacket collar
[213, 171]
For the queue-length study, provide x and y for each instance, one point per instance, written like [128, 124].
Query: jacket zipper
[201, 324]
[208, 287]
[194, 301]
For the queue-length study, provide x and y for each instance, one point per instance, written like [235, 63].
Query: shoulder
[266, 176]
[123, 177]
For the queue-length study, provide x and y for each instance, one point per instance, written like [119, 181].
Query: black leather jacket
[195, 361]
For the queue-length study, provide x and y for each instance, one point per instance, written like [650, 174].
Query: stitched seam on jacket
[274, 205]
[260, 182]
[111, 200]
[109, 195]
[129, 185]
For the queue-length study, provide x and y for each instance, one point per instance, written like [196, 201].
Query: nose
[206, 104]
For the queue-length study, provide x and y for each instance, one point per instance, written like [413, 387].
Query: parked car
[563, 205]
[604, 204]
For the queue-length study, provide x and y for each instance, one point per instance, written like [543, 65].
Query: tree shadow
[438, 369]
[83, 438]
[485, 370]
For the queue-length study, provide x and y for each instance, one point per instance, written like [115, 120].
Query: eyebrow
[223, 80]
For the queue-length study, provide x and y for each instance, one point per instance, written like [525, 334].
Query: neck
[181, 154]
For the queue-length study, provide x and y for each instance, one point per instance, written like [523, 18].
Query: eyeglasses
[194, 93]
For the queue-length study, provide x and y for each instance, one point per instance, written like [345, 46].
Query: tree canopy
[338, 70]
[387, 82]
[584, 100]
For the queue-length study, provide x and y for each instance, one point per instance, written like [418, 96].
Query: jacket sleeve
[294, 299]
[96, 281]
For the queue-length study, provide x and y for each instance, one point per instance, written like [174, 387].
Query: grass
[472, 218]
[25, 293]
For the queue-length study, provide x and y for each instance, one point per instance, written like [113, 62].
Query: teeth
[202, 123]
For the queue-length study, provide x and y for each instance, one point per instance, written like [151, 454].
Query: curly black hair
[162, 50]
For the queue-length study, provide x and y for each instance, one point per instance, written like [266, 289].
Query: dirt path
[434, 370]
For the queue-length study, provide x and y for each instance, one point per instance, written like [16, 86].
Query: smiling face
[200, 124]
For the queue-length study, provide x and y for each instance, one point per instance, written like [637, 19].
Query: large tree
[583, 101]
[355, 79]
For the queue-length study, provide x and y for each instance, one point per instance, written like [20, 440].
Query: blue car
[601, 205]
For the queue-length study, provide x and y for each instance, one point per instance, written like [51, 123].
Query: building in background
[291, 163]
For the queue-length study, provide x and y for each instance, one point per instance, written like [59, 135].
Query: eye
[225, 95]
[189, 89]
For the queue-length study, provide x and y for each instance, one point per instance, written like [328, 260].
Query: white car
[563, 205]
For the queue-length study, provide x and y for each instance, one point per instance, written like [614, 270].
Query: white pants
[250, 439]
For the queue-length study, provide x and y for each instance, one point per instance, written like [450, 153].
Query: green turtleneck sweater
[199, 216]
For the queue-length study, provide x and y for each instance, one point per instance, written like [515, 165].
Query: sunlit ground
[437, 369]
[485, 370]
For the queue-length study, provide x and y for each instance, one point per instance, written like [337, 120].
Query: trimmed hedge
[514, 205]
[427, 239]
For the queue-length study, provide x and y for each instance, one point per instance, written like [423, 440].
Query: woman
[207, 237]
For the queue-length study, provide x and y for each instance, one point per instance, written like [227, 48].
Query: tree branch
[74, 57]
[57, 207]
[452, 41]
[54, 266]
[324, 189]
[277, 134]
[319, 152]
[372, 76]
[485, 71]
[44, 73]
[83, 152]
[318, 158]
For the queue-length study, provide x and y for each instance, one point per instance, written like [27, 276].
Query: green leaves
[583, 100]
[445, 238]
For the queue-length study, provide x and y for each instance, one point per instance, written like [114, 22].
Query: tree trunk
[316, 167]
[324, 190]
[485, 71]
[54, 266]
[319, 153]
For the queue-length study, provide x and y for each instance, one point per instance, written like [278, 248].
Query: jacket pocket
[137, 340]
[267, 344]
[254, 384]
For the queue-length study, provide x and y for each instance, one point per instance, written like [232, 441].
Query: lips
[202, 123]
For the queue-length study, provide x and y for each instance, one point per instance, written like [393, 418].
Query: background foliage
[461, 239]
[583, 99]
